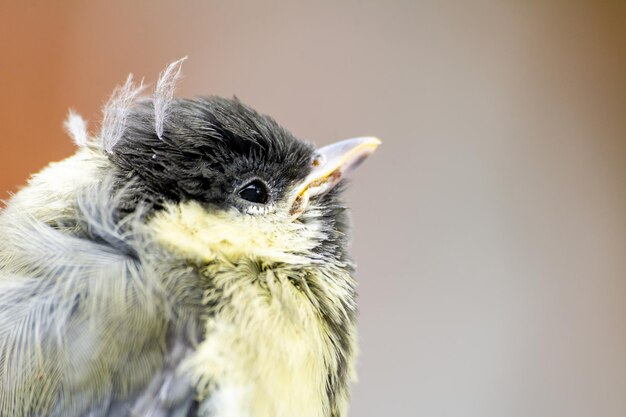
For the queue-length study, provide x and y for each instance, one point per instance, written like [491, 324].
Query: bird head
[225, 182]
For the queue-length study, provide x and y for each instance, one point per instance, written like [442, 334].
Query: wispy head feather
[76, 127]
[164, 92]
[116, 112]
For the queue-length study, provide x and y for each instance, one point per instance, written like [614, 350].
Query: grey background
[490, 227]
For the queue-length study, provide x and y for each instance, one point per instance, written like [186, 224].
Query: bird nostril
[318, 160]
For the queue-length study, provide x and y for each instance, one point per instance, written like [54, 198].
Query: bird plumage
[136, 281]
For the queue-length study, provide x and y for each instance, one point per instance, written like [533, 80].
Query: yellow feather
[267, 346]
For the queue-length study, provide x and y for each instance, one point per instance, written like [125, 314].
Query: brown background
[490, 226]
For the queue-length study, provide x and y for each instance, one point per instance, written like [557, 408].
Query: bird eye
[255, 192]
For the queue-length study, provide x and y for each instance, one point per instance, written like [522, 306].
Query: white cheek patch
[204, 236]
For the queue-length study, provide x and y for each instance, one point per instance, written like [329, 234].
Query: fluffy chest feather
[264, 356]
[268, 349]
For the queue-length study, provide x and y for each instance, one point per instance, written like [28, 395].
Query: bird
[191, 259]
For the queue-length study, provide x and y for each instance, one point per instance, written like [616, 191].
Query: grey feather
[91, 346]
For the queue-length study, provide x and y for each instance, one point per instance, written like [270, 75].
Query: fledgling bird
[189, 260]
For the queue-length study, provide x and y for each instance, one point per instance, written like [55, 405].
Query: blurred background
[490, 227]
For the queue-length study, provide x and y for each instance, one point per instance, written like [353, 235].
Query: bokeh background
[490, 226]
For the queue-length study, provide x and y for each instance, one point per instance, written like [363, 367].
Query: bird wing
[84, 327]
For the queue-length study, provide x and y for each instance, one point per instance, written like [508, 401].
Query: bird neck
[268, 350]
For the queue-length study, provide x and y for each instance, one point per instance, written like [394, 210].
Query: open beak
[330, 164]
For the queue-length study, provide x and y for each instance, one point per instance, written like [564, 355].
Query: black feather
[209, 147]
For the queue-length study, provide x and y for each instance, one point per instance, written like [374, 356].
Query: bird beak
[330, 165]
